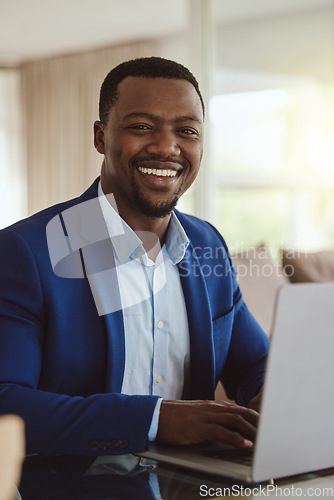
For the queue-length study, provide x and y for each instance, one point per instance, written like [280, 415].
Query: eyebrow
[150, 116]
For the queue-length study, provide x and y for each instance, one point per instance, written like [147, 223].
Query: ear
[99, 136]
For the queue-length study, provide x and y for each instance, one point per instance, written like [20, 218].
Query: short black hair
[149, 67]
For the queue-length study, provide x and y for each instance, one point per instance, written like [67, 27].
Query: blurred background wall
[266, 69]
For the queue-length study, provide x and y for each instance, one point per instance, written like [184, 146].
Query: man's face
[152, 144]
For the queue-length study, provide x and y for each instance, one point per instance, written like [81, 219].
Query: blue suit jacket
[61, 364]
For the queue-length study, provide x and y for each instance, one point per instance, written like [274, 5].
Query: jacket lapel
[97, 253]
[200, 326]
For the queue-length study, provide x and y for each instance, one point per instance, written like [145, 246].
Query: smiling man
[116, 322]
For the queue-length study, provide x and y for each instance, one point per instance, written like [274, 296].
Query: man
[111, 333]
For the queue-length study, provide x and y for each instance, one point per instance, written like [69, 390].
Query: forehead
[163, 97]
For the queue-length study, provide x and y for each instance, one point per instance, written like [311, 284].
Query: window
[13, 196]
[271, 116]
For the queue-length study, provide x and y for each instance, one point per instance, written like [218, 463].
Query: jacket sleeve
[244, 368]
[55, 423]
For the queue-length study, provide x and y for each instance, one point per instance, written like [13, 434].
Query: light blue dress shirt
[157, 349]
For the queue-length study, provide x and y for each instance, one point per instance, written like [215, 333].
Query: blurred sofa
[260, 276]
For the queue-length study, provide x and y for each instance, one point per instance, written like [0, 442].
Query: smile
[158, 172]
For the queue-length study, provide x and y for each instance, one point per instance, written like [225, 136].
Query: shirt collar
[177, 240]
[126, 242]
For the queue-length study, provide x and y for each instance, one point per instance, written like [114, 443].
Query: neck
[152, 232]
[148, 228]
[154, 227]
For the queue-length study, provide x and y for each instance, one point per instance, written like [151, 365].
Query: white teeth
[154, 171]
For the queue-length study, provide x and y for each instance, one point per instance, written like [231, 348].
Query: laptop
[296, 426]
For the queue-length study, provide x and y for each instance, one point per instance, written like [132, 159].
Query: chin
[156, 210]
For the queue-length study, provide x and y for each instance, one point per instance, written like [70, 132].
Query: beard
[157, 209]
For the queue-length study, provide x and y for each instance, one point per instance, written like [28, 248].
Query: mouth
[157, 184]
[158, 172]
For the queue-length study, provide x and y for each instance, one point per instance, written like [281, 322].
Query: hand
[192, 422]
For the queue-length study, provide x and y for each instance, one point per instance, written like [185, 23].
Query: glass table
[74, 478]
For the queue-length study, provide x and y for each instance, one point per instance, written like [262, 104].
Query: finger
[248, 414]
[227, 436]
[235, 423]
[224, 403]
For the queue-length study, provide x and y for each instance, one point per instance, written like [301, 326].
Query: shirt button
[158, 379]
[140, 254]
[160, 324]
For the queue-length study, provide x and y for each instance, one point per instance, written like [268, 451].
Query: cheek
[117, 156]
[126, 149]
[195, 150]
[196, 158]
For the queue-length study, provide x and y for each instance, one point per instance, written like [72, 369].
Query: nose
[163, 144]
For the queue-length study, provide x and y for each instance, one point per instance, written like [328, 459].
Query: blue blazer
[61, 364]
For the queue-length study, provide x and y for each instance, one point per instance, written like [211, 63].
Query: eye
[140, 126]
[188, 131]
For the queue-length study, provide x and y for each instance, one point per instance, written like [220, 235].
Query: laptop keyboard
[244, 457]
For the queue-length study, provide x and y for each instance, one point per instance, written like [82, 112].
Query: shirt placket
[160, 331]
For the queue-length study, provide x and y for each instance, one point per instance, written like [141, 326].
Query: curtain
[60, 104]
[13, 188]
